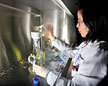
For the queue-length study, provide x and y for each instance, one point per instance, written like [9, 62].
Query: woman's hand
[49, 32]
[41, 71]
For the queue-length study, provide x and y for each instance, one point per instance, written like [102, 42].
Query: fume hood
[18, 18]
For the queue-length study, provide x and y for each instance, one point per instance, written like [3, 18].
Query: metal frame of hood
[14, 8]
[63, 6]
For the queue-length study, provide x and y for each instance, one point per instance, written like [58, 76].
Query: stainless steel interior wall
[15, 43]
[63, 24]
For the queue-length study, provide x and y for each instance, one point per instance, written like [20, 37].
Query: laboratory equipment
[38, 55]
[36, 81]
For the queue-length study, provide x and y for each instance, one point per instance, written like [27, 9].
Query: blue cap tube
[36, 81]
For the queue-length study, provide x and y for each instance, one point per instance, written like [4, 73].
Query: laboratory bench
[22, 75]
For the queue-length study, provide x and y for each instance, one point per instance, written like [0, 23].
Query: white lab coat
[92, 68]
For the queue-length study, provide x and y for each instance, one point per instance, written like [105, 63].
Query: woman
[90, 56]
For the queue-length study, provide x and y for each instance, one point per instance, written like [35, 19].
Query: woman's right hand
[40, 71]
[49, 32]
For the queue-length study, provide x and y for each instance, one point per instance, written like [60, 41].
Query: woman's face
[82, 28]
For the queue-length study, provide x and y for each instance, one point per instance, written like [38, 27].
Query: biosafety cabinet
[18, 19]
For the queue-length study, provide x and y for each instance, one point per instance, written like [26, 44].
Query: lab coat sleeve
[60, 45]
[51, 78]
[65, 48]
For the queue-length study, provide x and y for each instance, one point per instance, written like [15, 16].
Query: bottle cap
[36, 81]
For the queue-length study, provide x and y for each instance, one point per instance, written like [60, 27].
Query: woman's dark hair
[96, 23]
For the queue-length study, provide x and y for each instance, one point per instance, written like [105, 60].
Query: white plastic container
[36, 38]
